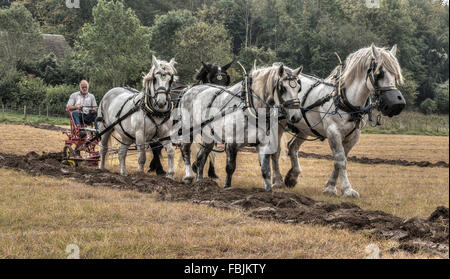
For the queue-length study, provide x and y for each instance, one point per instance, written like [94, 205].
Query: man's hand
[77, 107]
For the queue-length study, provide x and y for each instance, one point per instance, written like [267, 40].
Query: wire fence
[42, 110]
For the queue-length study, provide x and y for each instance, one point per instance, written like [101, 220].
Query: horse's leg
[155, 164]
[202, 156]
[104, 149]
[277, 179]
[348, 145]
[170, 159]
[122, 156]
[293, 147]
[264, 161]
[211, 171]
[232, 150]
[186, 153]
[340, 166]
[140, 145]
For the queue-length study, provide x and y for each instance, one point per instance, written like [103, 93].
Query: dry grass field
[39, 216]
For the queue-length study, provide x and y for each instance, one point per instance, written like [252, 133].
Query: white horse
[337, 113]
[271, 87]
[149, 115]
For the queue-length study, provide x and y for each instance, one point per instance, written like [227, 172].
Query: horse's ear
[394, 50]
[298, 70]
[172, 62]
[281, 70]
[207, 66]
[227, 66]
[155, 61]
[375, 52]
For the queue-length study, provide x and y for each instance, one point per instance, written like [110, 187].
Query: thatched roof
[56, 44]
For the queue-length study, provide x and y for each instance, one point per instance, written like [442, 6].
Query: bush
[56, 98]
[428, 106]
[31, 92]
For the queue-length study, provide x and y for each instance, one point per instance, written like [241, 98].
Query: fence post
[25, 112]
[3, 110]
[47, 111]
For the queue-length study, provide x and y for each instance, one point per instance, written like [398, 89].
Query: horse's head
[214, 73]
[375, 70]
[158, 81]
[286, 86]
[383, 76]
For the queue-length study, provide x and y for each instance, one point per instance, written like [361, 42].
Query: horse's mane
[264, 79]
[358, 62]
[166, 66]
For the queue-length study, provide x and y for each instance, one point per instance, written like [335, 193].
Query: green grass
[17, 118]
[412, 123]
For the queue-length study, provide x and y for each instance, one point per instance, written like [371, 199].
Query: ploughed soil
[430, 234]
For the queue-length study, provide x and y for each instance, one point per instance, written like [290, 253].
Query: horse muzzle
[392, 102]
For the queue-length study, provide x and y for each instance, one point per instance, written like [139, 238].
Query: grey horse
[150, 119]
[271, 87]
[338, 113]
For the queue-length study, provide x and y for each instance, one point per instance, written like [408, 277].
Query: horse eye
[293, 83]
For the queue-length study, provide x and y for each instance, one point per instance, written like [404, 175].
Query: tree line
[113, 41]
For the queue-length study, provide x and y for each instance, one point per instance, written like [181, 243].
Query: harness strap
[120, 123]
[119, 120]
[322, 138]
[315, 104]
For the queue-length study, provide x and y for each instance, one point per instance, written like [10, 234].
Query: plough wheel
[69, 153]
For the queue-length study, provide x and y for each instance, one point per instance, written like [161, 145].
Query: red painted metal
[87, 153]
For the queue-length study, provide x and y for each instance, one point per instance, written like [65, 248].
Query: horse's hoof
[278, 184]
[291, 179]
[350, 193]
[330, 191]
[188, 180]
[290, 182]
[170, 176]
[268, 188]
[227, 186]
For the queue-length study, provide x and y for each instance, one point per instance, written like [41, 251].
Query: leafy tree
[5, 3]
[442, 97]
[164, 31]
[201, 42]
[263, 57]
[115, 47]
[20, 42]
[409, 89]
[54, 17]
